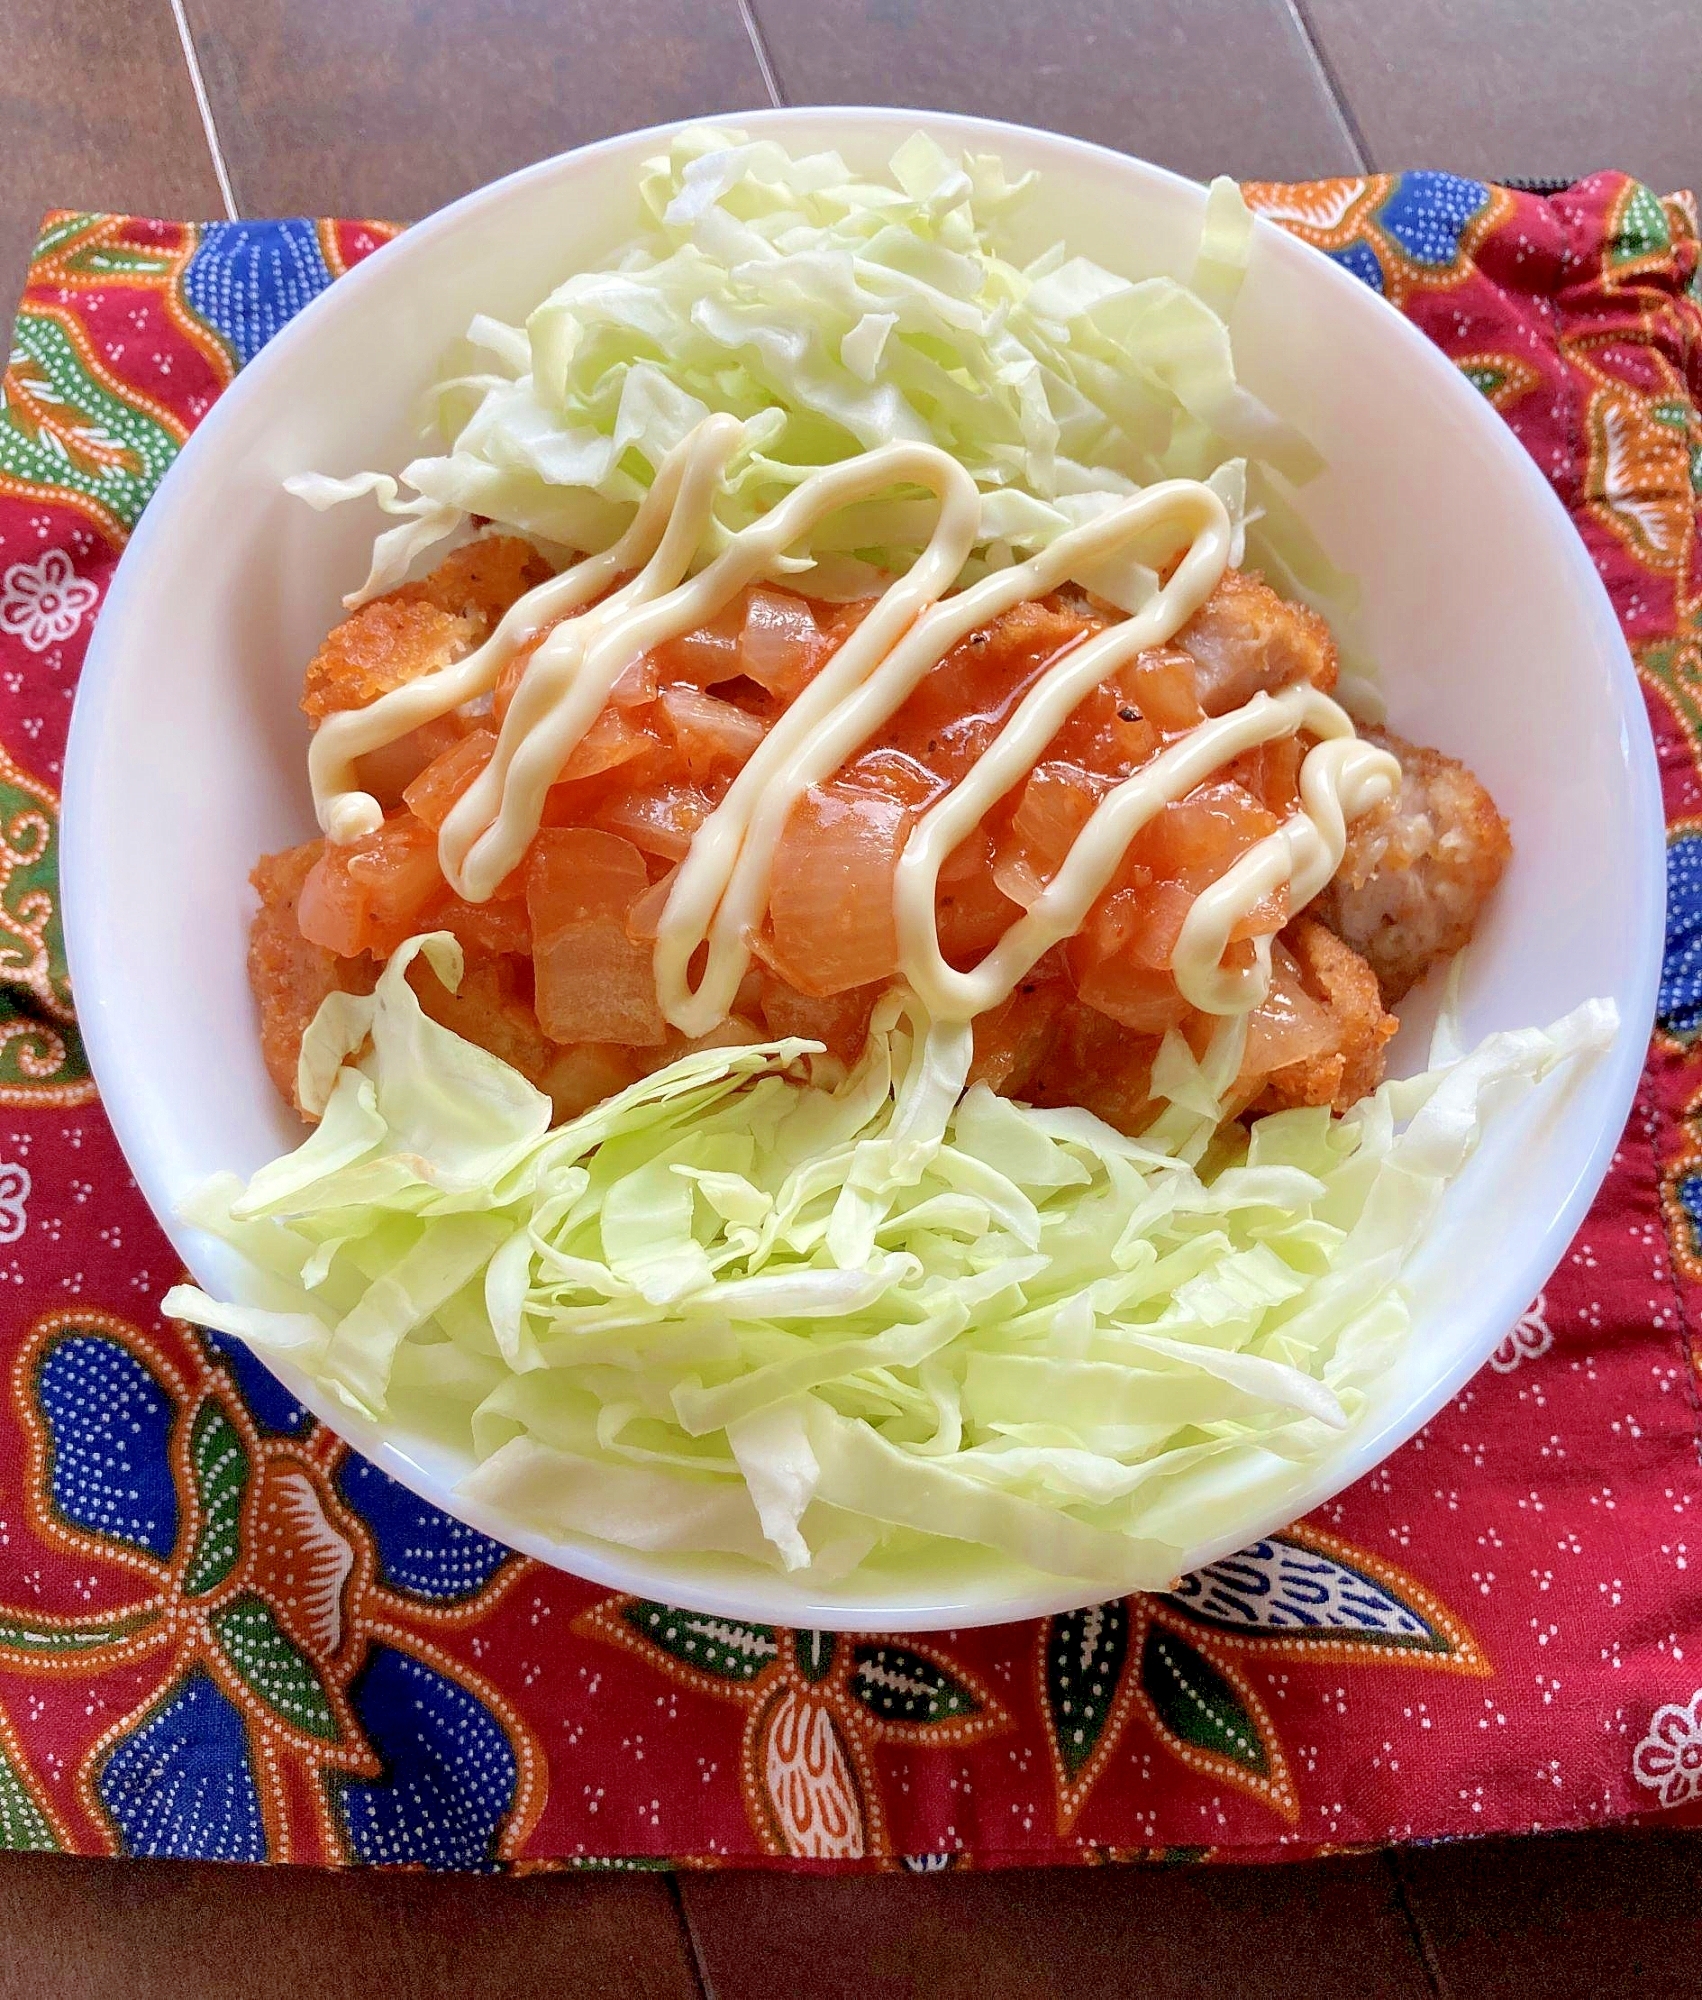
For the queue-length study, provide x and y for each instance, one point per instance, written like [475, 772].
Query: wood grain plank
[1203, 86]
[353, 107]
[1329, 1930]
[98, 112]
[1569, 1917]
[161, 1930]
[1499, 88]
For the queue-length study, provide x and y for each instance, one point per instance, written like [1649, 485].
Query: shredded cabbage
[734, 1310]
[835, 314]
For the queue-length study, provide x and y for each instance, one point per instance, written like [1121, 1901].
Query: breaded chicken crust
[1246, 640]
[1345, 986]
[288, 975]
[1416, 872]
[420, 627]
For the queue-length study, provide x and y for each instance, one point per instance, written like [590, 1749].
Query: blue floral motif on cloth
[1426, 214]
[269, 1403]
[110, 1423]
[182, 1784]
[294, 1596]
[421, 1549]
[248, 279]
[1689, 1192]
[1361, 260]
[450, 1773]
[1679, 1009]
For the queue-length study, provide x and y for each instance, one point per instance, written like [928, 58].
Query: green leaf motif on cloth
[816, 1652]
[78, 247]
[41, 1052]
[220, 1465]
[725, 1648]
[62, 427]
[267, 1661]
[37, 1057]
[1197, 1705]
[1086, 1655]
[24, 1827]
[905, 1688]
[1674, 666]
[1642, 229]
[45, 1641]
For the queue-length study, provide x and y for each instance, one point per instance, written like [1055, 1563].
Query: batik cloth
[223, 1635]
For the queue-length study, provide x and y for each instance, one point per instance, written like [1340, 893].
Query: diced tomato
[397, 868]
[1148, 921]
[710, 735]
[714, 652]
[1112, 921]
[644, 919]
[660, 821]
[840, 1020]
[489, 1007]
[594, 983]
[577, 1078]
[891, 774]
[1105, 733]
[1128, 993]
[1013, 1040]
[781, 646]
[388, 771]
[971, 915]
[616, 737]
[492, 929]
[637, 684]
[513, 673]
[958, 708]
[1271, 773]
[970, 857]
[432, 795]
[1057, 801]
[1265, 918]
[830, 905]
[368, 896]
[1196, 839]
[1160, 684]
[331, 908]
[1100, 1065]
[1288, 1025]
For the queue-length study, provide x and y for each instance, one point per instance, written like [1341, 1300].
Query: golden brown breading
[289, 976]
[420, 627]
[1346, 987]
[1246, 640]
[1418, 870]
[480, 580]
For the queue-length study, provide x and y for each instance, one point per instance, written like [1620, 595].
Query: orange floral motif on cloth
[224, 1635]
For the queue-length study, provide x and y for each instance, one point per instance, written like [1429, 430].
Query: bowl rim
[757, 1594]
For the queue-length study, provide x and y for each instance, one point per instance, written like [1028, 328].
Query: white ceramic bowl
[1493, 633]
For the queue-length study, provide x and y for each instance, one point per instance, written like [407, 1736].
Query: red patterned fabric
[223, 1635]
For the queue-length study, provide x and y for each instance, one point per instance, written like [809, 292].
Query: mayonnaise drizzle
[720, 892]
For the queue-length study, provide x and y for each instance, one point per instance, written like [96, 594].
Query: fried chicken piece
[1418, 870]
[1346, 988]
[420, 627]
[479, 580]
[290, 977]
[1247, 640]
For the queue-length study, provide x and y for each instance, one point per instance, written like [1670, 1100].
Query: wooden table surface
[391, 107]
